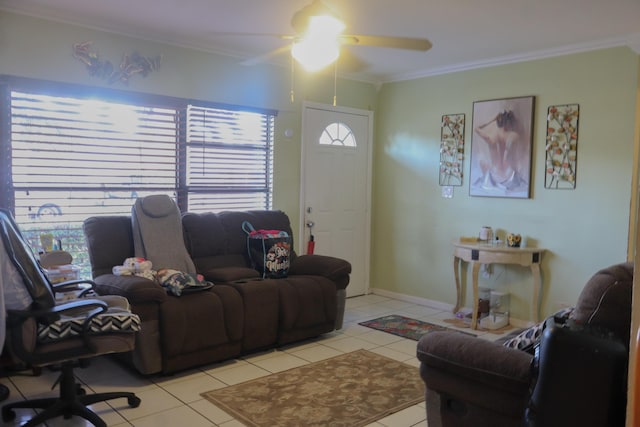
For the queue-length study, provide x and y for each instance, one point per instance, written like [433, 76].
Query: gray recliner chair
[41, 332]
[574, 369]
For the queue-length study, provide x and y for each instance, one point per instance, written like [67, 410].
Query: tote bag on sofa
[269, 251]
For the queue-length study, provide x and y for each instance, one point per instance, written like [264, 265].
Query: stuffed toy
[135, 267]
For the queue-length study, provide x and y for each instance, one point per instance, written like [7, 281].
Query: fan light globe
[319, 46]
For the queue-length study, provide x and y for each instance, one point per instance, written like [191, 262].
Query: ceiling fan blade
[349, 62]
[242, 34]
[387, 41]
[267, 56]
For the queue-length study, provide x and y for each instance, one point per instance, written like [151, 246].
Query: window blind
[229, 159]
[72, 158]
[69, 157]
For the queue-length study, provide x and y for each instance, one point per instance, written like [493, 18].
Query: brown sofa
[474, 382]
[241, 313]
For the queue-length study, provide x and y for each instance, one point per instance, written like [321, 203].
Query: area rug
[405, 327]
[353, 389]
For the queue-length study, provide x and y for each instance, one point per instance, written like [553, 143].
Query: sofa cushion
[204, 235]
[605, 300]
[308, 307]
[237, 238]
[198, 321]
[230, 274]
[109, 240]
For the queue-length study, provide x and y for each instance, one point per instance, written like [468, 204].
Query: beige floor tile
[394, 304]
[261, 355]
[181, 416]
[363, 300]
[317, 353]
[164, 380]
[104, 411]
[419, 311]
[211, 411]
[31, 385]
[392, 354]
[227, 364]
[239, 374]
[281, 362]
[349, 344]
[354, 329]
[404, 346]
[189, 390]
[372, 311]
[379, 337]
[405, 418]
[153, 401]
[413, 362]
[104, 378]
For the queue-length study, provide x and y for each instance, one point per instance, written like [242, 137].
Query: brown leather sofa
[475, 382]
[241, 313]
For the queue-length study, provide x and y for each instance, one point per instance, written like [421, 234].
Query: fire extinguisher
[311, 244]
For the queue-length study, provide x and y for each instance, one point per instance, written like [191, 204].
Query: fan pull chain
[292, 80]
[335, 82]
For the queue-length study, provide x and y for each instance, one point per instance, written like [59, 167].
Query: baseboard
[518, 323]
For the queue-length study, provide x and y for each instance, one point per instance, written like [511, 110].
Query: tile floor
[175, 400]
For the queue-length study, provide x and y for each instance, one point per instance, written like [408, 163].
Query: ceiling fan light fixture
[319, 46]
[324, 26]
[315, 54]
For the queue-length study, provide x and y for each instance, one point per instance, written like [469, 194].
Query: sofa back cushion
[109, 241]
[217, 240]
[606, 299]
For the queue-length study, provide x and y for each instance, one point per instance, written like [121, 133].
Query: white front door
[336, 188]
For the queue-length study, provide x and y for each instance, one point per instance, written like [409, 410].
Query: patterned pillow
[527, 339]
[108, 322]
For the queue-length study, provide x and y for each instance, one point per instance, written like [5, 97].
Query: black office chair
[65, 335]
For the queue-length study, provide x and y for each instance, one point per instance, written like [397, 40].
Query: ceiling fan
[318, 37]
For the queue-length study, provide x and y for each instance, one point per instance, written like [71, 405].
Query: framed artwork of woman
[501, 145]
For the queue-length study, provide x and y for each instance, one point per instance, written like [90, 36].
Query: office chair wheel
[8, 414]
[133, 401]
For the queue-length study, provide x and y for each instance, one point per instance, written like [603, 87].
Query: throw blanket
[157, 233]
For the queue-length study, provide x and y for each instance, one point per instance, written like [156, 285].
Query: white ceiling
[465, 33]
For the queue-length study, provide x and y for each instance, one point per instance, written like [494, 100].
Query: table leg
[474, 315]
[457, 262]
[537, 290]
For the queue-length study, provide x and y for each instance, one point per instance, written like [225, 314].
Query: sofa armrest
[332, 268]
[136, 289]
[471, 360]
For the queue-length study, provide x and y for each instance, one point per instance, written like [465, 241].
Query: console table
[483, 253]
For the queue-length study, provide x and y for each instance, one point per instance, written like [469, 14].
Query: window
[229, 159]
[68, 154]
[337, 134]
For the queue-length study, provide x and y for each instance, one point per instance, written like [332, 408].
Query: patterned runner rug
[405, 327]
[350, 390]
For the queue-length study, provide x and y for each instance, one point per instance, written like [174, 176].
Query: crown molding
[632, 41]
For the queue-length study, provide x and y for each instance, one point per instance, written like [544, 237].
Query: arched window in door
[337, 134]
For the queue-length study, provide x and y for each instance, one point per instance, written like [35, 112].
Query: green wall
[582, 229]
[41, 49]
